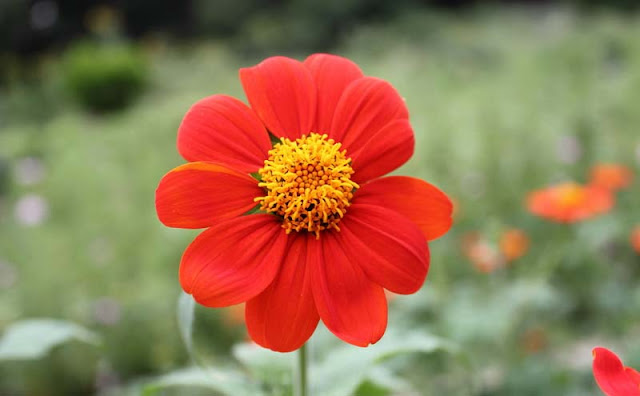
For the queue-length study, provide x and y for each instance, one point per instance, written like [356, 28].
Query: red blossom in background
[331, 234]
[514, 243]
[569, 202]
[612, 377]
[635, 239]
[488, 256]
[483, 256]
[611, 176]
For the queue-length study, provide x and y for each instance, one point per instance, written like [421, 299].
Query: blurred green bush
[4, 175]
[104, 77]
[314, 25]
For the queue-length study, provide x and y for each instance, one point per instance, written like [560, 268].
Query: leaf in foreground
[346, 367]
[34, 338]
[222, 381]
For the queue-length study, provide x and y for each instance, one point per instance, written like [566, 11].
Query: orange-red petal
[513, 244]
[611, 376]
[199, 194]
[282, 92]
[233, 261]
[222, 129]
[389, 248]
[284, 316]
[633, 375]
[421, 202]
[611, 176]
[367, 105]
[353, 307]
[387, 150]
[570, 202]
[635, 239]
[332, 74]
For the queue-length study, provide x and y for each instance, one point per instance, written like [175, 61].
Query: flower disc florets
[308, 183]
[570, 194]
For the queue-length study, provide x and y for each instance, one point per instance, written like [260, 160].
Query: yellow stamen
[308, 183]
[570, 194]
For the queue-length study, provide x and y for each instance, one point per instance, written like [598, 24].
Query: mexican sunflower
[514, 244]
[635, 238]
[611, 176]
[569, 202]
[299, 223]
[482, 254]
[612, 377]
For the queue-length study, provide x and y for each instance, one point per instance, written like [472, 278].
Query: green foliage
[4, 176]
[104, 77]
[33, 338]
[219, 381]
[313, 25]
[12, 16]
[337, 369]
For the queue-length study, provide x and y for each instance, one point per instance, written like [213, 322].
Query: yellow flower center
[308, 183]
[570, 194]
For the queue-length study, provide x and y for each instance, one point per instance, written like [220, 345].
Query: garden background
[505, 98]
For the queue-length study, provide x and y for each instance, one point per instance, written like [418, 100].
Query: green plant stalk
[300, 385]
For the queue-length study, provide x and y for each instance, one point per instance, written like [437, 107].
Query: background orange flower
[611, 176]
[569, 202]
[635, 239]
[483, 256]
[514, 244]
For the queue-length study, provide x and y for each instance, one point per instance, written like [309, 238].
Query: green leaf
[186, 314]
[34, 338]
[223, 381]
[272, 367]
[368, 388]
[474, 315]
[346, 367]
[384, 378]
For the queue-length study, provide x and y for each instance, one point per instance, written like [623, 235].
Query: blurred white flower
[31, 210]
[106, 311]
[568, 149]
[28, 171]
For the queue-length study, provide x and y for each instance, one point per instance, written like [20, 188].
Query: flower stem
[300, 386]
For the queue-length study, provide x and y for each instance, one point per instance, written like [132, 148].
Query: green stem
[300, 386]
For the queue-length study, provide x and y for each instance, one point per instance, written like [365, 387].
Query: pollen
[570, 194]
[307, 183]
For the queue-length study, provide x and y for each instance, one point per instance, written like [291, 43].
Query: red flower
[330, 234]
[611, 176]
[612, 377]
[635, 239]
[483, 255]
[514, 244]
[569, 202]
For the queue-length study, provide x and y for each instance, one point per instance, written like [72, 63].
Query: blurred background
[505, 98]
